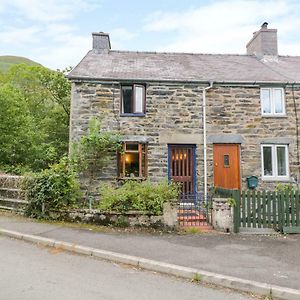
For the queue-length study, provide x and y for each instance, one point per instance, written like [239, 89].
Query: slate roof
[147, 66]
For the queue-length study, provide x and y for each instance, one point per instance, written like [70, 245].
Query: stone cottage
[199, 119]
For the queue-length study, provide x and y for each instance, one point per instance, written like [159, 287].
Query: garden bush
[52, 189]
[141, 196]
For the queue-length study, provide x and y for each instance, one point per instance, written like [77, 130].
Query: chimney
[263, 42]
[101, 42]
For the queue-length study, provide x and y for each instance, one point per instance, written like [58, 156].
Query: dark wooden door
[227, 166]
[182, 167]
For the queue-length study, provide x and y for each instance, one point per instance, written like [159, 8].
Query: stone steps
[193, 218]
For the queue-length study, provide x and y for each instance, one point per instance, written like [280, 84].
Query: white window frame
[275, 175]
[271, 93]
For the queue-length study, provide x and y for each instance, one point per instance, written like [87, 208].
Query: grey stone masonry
[237, 111]
[174, 116]
[101, 41]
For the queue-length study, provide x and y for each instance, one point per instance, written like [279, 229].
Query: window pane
[134, 147]
[226, 160]
[131, 164]
[278, 101]
[267, 160]
[281, 161]
[139, 99]
[127, 99]
[266, 101]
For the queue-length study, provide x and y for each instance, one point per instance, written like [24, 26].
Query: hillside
[7, 61]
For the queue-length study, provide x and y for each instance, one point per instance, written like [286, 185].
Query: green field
[7, 61]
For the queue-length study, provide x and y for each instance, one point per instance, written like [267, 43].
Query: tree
[16, 128]
[46, 95]
[94, 150]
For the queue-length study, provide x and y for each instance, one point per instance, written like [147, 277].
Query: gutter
[204, 137]
[178, 81]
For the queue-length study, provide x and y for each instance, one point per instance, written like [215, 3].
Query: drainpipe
[204, 137]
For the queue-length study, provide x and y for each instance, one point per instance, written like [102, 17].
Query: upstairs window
[272, 101]
[275, 162]
[133, 99]
[133, 161]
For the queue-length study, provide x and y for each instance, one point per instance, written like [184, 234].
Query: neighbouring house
[200, 119]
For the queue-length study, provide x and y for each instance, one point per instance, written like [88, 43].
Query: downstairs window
[275, 162]
[133, 161]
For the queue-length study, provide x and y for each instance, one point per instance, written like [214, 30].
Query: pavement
[265, 259]
[30, 273]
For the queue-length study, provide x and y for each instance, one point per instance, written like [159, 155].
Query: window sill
[131, 178]
[276, 179]
[274, 116]
[132, 115]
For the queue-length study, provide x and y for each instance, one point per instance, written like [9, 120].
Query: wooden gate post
[236, 211]
[280, 200]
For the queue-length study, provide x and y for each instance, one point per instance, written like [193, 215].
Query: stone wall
[237, 110]
[174, 115]
[126, 219]
[12, 197]
[222, 215]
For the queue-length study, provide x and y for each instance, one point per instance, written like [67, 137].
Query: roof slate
[146, 66]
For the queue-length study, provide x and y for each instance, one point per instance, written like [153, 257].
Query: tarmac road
[270, 259]
[34, 272]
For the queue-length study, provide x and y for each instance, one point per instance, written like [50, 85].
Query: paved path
[33, 273]
[267, 259]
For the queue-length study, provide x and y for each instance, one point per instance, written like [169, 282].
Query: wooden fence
[255, 209]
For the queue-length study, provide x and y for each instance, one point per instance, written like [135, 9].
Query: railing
[193, 210]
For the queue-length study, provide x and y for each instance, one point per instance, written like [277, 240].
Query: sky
[57, 33]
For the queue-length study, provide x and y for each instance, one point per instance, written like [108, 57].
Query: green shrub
[18, 169]
[281, 187]
[52, 189]
[142, 196]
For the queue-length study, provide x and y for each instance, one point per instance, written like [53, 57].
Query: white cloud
[18, 36]
[68, 53]
[120, 36]
[48, 10]
[224, 26]
[43, 30]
